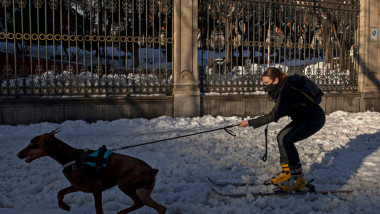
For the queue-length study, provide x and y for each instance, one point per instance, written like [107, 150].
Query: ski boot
[279, 177]
[296, 182]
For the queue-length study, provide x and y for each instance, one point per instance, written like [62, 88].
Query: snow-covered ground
[344, 155]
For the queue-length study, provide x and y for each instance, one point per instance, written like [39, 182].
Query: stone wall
[15, 111]
[254, 105]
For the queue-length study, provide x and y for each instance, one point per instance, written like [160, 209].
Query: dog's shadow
[349, 166]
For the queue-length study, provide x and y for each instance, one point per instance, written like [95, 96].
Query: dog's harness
[98, 159]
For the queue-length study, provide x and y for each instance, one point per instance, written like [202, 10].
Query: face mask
[270, 88]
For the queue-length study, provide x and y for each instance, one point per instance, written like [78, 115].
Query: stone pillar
[186, 92]
[369, 55]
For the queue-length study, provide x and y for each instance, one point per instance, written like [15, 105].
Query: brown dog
[133, 176]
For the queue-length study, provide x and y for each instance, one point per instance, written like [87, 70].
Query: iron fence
[125, 47]
[239, 39]
[85, 47]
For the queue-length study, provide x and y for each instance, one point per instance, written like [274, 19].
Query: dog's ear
[55, 131]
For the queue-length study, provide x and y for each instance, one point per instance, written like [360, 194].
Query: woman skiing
[288, 93]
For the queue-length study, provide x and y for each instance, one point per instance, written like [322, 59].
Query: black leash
[264, 158]
[142, 144]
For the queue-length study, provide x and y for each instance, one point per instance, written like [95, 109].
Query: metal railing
[125, 47]
[85, 47]
[238, 40]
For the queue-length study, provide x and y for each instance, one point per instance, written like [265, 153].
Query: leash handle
[265, 156]
[229, 131]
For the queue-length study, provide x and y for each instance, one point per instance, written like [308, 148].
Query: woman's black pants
[294, 132]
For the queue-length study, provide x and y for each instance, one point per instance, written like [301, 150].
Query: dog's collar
[73, 165]
[68, 164]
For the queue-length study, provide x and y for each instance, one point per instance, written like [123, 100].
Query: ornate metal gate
[239, 39]
[85, 47]
[113, 47]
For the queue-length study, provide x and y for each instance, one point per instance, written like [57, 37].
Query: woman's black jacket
[292, 103]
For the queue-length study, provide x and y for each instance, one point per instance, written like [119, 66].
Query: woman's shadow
[351, 166]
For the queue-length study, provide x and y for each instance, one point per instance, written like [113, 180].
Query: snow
[343, 155]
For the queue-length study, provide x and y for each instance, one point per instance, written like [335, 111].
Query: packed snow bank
[345, 154]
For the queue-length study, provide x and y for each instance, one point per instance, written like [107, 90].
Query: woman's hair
[273, 72]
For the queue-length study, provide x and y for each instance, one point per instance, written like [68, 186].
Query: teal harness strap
[93, 159]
